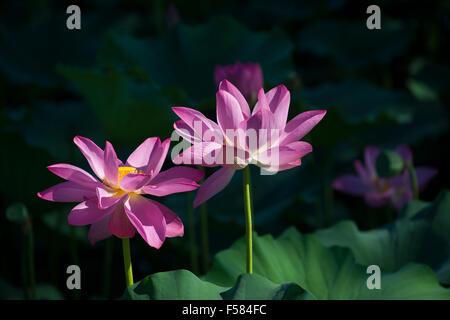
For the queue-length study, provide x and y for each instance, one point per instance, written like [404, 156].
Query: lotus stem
[127, 261]
[248, 218]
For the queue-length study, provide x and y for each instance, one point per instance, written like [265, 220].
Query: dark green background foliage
[117, 78]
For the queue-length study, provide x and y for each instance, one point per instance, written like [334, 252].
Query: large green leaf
[415, 282]
[187, 55]
[325, 273]
[414, 237]
[173, 285]
[255, 287]
[390, 248]
[290, 258]
[184, 285]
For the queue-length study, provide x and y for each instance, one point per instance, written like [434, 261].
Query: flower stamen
[123, 171]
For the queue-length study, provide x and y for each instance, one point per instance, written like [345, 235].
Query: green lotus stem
[191, 226]
[107, 263]
[127, 262]
[248, 218]
[205, 238]
[415, 185]
[31, 258]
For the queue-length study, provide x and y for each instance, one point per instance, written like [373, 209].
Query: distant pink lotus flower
[115, 205]
[379, 191]
[239, 138]
[172, 16]
[247, 77]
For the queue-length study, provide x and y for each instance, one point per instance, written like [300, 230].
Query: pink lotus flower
[248, 78]
[239, 138]
[379, 191]
[115, 205]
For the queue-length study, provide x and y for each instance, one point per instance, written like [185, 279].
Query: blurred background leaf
[187, 55]
[351, 45]
[325, 273]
